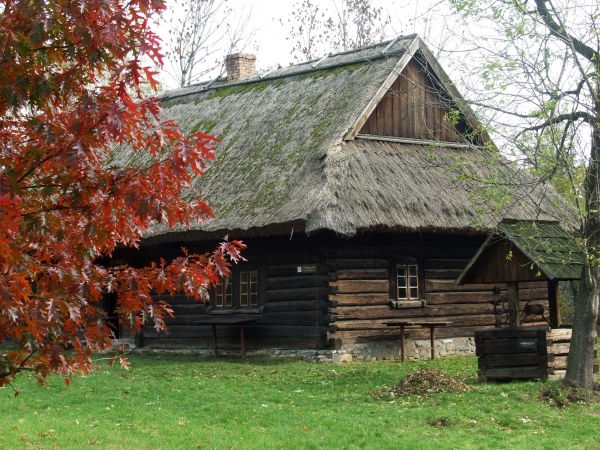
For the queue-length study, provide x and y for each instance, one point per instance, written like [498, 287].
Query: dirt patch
[441, 422]
[561, 397]
[424, 382]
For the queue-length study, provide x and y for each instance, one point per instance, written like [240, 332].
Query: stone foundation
[358, 352]
[415, 349]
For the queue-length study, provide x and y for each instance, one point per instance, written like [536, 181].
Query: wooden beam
[512, 291]
[554, 303]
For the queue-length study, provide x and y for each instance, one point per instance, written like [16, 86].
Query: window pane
[254, 288]
[413, 281]
[243, 288]
[219, 294]
[228, 292]
[414, 293]
[412, 271]
[401, 292]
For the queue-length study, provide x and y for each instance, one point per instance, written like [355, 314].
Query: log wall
[294, 307]
[345, 299]
[360, 291]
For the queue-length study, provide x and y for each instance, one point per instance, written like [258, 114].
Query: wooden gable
[500, 261]
[416, 107]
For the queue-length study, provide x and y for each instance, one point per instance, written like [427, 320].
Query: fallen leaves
[424, 382]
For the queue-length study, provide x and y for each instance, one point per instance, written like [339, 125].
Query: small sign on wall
[307, 269]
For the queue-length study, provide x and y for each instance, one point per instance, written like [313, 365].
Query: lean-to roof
[282, 162]
[552, 250]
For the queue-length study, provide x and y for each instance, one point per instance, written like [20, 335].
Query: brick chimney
[240, 65]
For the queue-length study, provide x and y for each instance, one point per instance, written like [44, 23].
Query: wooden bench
[214, 321]
[404, 324]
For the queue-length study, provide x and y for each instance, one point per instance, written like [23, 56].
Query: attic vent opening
[240, 65]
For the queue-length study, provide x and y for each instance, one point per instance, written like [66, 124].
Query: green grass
[175, 401]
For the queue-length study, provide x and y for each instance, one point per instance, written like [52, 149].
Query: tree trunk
[581, 353]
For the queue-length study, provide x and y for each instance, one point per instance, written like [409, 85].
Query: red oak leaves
[71, 80]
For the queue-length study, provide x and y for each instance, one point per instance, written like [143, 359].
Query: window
[238, 291]
[407, 282]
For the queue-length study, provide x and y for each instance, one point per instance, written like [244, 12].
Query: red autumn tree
[71, 80]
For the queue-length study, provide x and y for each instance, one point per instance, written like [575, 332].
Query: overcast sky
[270, 19]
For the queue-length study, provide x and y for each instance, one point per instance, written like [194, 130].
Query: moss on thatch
[282, 161]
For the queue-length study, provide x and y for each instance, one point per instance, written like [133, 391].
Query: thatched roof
[283, 163]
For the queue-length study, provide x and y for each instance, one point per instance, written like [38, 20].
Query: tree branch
[589, 53]
[571, 117]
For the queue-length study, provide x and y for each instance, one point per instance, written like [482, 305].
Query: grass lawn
[174, 401]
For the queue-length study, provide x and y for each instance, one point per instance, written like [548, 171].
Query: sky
[270, 20]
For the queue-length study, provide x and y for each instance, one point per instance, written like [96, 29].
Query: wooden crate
[523, 353]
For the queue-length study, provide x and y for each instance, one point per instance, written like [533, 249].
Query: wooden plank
[447, 274]
[312, 342]
[509, 333]
[377, 313]
[361, 274]
[560, 362]
[441, 298]
[396, 111]
[301, 294]
[483, 296]
[412, 101]
[301, 281]
[402, 62]
[289, 317]
[361, 286]
[559, 349]
[559, 335]
[401, 304]
[344, 264]
[554, 303]
[524, 359]
[275, 331]
[403, 103]
[386, 113]
[511, 346]
[450, 286]
[516, 373]
[445, 263]
[359, 299]
[288, 270]
[384, 312]
[298, 305]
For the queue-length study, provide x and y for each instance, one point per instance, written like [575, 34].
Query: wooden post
[402, 343]
[214, 332]
[432, 335]
[243, 341]
[512, 291]
[554, 303]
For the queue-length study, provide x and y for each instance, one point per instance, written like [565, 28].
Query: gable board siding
[412, 108]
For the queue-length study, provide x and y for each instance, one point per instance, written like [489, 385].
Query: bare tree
[351, 24]
[536, 66]
[201, 34]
